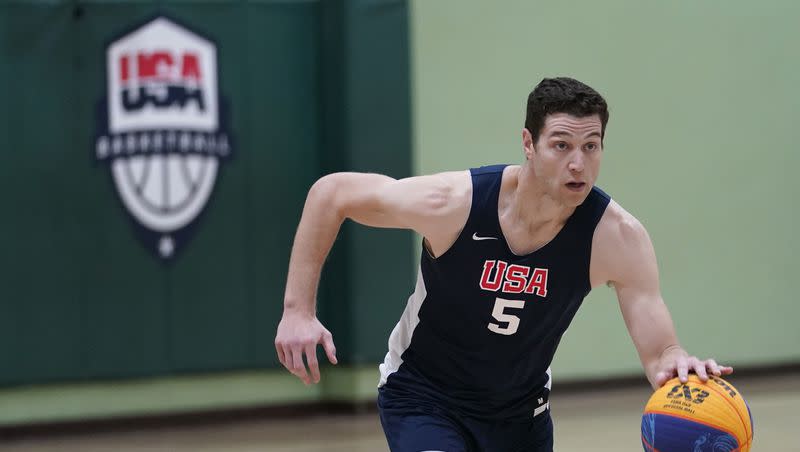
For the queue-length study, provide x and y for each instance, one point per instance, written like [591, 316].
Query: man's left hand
[676, 361]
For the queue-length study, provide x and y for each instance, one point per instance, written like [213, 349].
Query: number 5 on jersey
[499, 313]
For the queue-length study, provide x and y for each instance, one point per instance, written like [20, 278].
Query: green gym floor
[605, 420]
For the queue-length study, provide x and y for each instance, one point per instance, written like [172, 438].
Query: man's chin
[575, 199]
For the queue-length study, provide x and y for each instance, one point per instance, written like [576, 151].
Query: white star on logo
[166, 246]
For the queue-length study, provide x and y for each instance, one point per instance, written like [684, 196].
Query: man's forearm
[318, 228]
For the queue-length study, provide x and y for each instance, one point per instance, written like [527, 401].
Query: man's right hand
[299, 333]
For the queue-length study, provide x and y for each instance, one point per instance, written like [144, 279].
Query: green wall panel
[127, 324]
[369, 275]
[287, 148]
[74, 301]
[312, 87]
[208, 303]
[382, 275]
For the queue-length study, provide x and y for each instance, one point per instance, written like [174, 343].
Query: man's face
[566, 157]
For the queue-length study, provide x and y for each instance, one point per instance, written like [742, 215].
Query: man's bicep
[421, 203]
[636, 282]
[643, 309]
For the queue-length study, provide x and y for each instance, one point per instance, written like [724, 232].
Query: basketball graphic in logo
[161, 128]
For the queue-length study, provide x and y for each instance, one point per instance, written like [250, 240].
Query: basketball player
[509, 254]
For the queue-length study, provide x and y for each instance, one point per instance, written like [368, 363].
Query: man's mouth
[576, 186]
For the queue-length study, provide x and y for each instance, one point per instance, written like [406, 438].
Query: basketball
[697, 417]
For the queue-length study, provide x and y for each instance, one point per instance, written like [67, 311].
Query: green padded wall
[308, 84]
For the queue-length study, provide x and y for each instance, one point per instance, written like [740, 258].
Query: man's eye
[561, 146]
[591, 147]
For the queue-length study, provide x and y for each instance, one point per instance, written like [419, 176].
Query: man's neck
[530, 205]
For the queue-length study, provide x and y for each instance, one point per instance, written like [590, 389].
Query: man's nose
[576, 162]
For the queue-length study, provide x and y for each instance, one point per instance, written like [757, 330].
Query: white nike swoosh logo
[475, 237]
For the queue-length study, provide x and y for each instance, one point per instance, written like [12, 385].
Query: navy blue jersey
[483, 324]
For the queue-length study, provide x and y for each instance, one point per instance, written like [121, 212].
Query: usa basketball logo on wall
[162, 128]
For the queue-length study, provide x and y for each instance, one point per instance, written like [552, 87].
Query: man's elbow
[349, 195]
[326, 193]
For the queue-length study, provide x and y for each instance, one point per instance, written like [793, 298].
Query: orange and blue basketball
[697, 417]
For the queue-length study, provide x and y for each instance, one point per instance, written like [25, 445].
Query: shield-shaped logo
[162, 128]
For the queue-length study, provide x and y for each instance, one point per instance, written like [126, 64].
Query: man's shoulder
[492, 169]
[619, 226]
[621, 244]
[457, 181]
[500, 169]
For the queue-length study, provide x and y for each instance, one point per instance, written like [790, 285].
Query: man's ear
[527, 143]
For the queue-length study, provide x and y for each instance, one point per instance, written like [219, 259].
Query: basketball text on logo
[162, 129]
[513, 278]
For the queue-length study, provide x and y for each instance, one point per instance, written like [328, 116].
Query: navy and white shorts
[415, 426]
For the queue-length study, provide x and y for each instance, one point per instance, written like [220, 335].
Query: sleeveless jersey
[483, 324]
